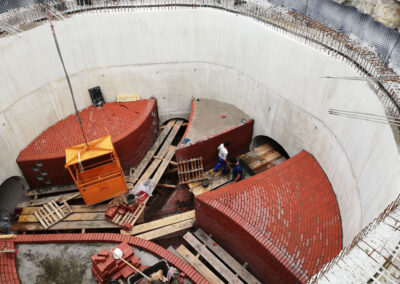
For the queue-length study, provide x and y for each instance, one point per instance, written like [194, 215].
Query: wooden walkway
[212, 261]
[164, 226]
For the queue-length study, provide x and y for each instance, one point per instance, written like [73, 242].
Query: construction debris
[106, 267]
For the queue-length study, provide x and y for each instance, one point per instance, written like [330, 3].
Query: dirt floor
[63, 263]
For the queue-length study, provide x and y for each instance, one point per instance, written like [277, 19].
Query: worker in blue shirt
[236, 170]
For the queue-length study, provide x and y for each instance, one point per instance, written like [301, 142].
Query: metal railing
[364, 60]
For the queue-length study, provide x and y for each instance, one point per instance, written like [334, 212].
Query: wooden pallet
[51, 213]
[190, 170]
[128, 217]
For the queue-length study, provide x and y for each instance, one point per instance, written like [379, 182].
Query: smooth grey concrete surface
[64, 263]
[208, 121]
[174, 55]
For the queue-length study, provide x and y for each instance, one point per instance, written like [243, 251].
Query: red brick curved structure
[132, 125]
[239, 135]
[8, 272]
[284, 222]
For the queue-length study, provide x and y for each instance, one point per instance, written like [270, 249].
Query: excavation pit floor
[64, 263]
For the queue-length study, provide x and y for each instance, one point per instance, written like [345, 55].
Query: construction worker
[222, 157]
[236, 170]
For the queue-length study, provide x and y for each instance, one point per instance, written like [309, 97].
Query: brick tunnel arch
[263, 139]
[12, 190]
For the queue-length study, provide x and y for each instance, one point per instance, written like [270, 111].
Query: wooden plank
[167, 230]
[174, 252]
[160, 171]
[162, 222]
[263, 149]
[212, 259]
[198, 265]
[52, 214]
[7, 236]
[74, 225]
[71, 217]
[164, 148]
[155, 166]
[55, 209]
[51, 190]
[183, 124]
[174, 170]
[166, 185]
[58, 208]
[226, 257]
[128, 98]
[39, 218]
[74, 208]
[147, 158]
[139, 211]
[216, 180]
[41, 201]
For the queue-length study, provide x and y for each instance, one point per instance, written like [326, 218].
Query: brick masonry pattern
[132, 125]
[284, 222]
[8, 271]
[238, 136]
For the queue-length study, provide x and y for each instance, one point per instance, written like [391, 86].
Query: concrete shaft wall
[176, 54]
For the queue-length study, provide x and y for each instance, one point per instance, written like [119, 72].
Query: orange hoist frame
[96, 170]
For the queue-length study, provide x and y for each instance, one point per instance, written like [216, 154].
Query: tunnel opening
[262, 140]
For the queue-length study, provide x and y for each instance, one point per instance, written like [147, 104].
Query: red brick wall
[284, 222]
[132, 125]
[237, 240]
[238, 136]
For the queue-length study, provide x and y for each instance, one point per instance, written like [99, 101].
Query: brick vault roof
[291, 209]
[112, 118]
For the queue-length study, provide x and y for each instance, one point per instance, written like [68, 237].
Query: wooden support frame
[190, 170]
